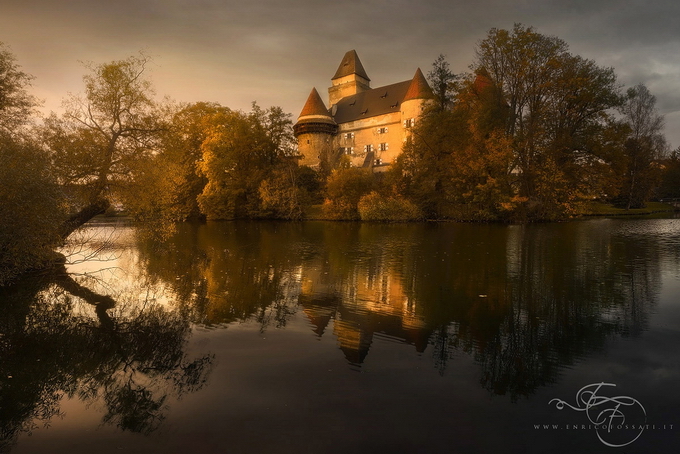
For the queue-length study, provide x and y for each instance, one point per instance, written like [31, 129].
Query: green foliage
[375, 207]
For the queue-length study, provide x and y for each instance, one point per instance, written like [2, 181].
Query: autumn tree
[16, 103]
[246, 158]
[670, 180]
[102, 136]
[442, 80]
[456, 164]
[344, 189]
[642, 149]
[163, 187]
[30, 199]
[557, 104]
[31, 205]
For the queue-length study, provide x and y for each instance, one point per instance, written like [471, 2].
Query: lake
[322, 337]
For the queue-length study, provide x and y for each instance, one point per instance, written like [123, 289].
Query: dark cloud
[272, 51]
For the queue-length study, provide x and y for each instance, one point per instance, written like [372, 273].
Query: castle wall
[312, 146]
[384, 134]
[346, 86]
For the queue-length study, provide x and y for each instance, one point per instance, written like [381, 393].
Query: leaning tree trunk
[81, 217]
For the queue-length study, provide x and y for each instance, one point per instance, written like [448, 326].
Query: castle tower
[418, 96]
[314, 131]
[349, 79]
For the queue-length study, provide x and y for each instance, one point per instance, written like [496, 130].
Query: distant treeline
[532, 134]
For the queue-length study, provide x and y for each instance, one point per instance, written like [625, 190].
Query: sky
[274, 51]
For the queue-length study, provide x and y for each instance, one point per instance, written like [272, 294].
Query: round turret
[314, 131]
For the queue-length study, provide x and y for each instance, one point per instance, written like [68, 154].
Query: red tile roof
[314, 105]
[419, 88]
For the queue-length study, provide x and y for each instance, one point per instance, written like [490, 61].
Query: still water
[263, 337]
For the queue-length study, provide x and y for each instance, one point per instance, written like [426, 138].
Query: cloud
[234, 52]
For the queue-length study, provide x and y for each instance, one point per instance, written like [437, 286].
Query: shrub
[375, 207]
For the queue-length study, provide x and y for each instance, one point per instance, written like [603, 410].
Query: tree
[30, 199]
[457, 163]
[239, 153]
[557, 104]
[163, 188]
[30, 208]
[442, 79]
[670, 183]
[643, 148]
[344, 189]
[102, 135]
[16, 104]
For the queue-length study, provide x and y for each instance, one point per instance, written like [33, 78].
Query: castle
[367, 125]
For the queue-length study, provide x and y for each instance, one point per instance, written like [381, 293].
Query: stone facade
[367, 125]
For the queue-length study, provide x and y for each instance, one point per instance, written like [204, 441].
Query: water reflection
[524, 301]
[59, 338]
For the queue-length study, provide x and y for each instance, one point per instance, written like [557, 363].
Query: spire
[350, 64]
[314, 106]
[419, 88]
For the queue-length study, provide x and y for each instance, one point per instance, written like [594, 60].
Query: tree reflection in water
[523, 301]
[60, 339]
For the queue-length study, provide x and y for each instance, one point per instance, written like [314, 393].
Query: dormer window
[364, 112]
[384, 96]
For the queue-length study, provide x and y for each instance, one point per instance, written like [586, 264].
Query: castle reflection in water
[523, 301]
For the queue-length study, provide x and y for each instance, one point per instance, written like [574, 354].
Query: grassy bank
[605, 209]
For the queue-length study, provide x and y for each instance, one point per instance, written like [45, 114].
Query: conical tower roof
[349, 65]
[314, 106]
[419, 88]
[482, 80]
[314, 117]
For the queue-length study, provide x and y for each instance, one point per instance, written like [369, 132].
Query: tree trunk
[81, 217]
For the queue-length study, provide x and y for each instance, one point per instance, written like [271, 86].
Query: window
[382, 130]
[383, 146]
[349, 135]
[378, 161]
[347, 150]
[368, 148]
[409, 122]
